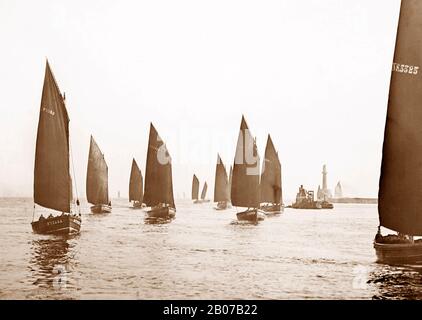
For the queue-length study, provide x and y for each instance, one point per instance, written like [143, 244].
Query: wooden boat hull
[326, 205]
[200, 201]
[161, 213]
[222, 206]
[101, 208]
[272, 209]
[137, 205]
[406, 253]
[308, 205]
[251, 215]
[61, 225]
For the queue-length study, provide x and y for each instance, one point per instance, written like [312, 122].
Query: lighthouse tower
[324, 178]
[325, 192]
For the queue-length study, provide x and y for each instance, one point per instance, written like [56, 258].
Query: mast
[270, 186]
[195, 188]
[51, 170]
[158, 173]
[230, 183]
[245, 181]
[204, 191]
[400, 202]
[221, 186]
[97, 176]
[135, 183]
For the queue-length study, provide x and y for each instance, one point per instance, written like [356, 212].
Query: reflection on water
[203, 254]
[397, 282]
[152, 220]
[52, 260]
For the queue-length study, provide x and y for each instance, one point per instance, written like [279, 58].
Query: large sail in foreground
[136, 183]
[246, 171]
[158, 173]
[97, 176]
[270, 186]
[400, 200]
[51, 172]
[221, 186]
[195, 188]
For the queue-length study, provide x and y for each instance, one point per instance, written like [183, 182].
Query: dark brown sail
[158, 173]
[204, 191]
[270, 186]
[245, 181]
[51, 171]
[195, 188]
[136, 192]
[221, 185]
[97, 176]
[400, 204]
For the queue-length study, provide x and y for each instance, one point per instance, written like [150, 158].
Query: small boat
[204, 193]
[97, 180]
[52, 179]
[326, 205]
[270, 186]
[399, 201]
[221, 186]
[136, 191]
[245, 180]
[158, 179]
[195, 191]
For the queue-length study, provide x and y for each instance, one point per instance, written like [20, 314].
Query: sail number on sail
[404, 68]
[49, 111]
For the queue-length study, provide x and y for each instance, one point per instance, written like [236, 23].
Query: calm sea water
[202, 254]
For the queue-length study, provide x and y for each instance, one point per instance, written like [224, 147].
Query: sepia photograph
[197, 150]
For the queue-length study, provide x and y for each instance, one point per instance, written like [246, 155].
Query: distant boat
[400, 202]
[221, 186]
[245, 181]
[52, 181]
[338, 191]
[97, 180]
[195, 191]
[270, 186]
[204, 193]
[158, 179]
[136, 191]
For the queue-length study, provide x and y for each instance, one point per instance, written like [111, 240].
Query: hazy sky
[312, 73]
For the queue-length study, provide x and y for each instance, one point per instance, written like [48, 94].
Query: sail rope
[74, 174]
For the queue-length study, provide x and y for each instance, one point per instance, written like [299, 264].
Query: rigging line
[73, 169]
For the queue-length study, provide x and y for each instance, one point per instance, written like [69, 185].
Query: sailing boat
[97, 180]
[270, 187]
[204, 193]
[221, 186]
[158, 179]
[136, 192]
[399, 201]
[245, 181]
[52, 182]
[195, 189]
